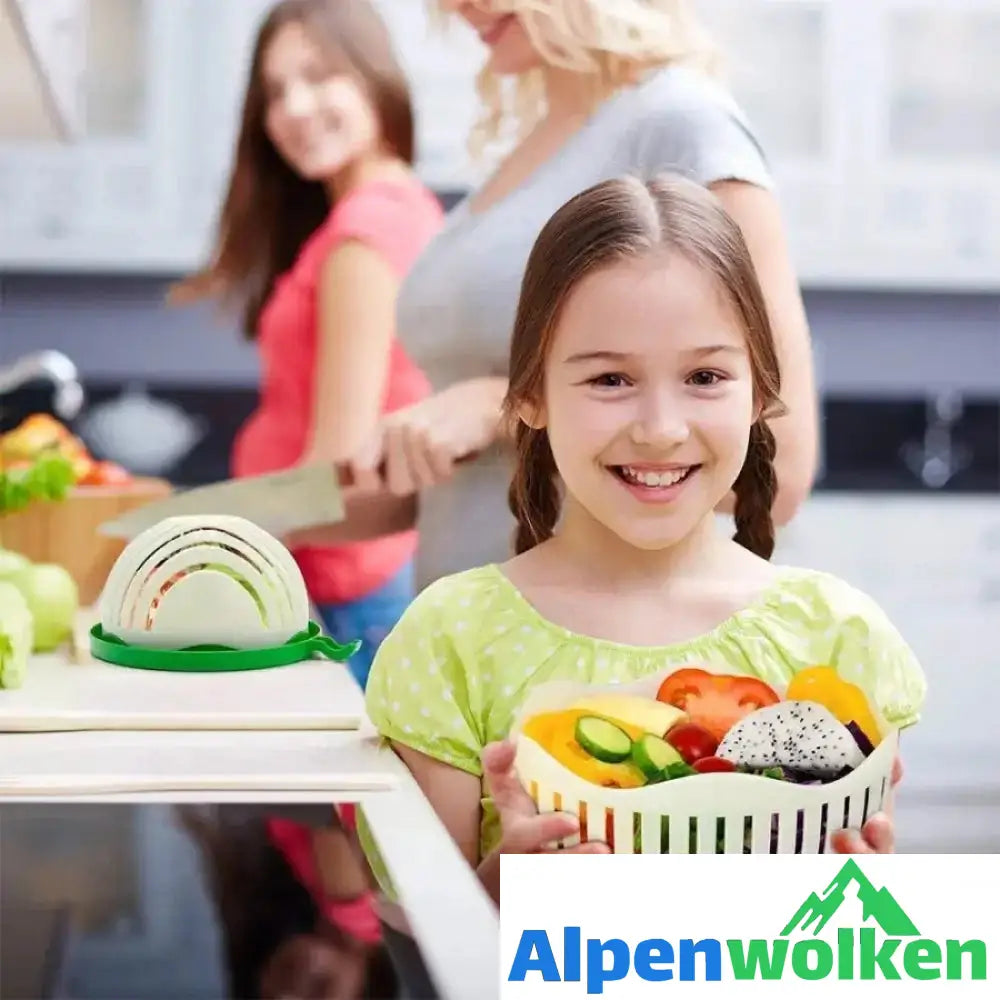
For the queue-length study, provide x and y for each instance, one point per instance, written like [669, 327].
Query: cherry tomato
[712, 765]
[105, 474]
[692, 742]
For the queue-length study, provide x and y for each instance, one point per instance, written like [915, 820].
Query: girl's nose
[660, 423]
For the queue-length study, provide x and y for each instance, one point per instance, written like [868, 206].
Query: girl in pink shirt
[322, 221]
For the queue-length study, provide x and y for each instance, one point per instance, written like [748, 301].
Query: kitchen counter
[102, 757]
[69, 690]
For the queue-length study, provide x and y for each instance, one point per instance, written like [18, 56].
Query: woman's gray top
[457, 305]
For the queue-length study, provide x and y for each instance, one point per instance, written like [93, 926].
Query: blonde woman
[595, 89]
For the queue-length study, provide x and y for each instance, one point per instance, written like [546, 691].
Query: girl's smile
[653, 483]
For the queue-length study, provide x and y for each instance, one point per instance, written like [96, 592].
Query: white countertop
[81, 731]
[309, 766]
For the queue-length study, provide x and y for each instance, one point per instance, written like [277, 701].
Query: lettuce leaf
[49, 477]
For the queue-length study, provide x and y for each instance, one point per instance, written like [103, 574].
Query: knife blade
[278, 502]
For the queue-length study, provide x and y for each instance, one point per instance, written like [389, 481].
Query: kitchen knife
[279, 502]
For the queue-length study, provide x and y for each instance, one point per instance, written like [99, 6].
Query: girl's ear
[532, 415]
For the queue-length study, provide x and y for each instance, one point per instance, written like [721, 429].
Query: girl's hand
[877, 836]
[524, 830]
[417, 447]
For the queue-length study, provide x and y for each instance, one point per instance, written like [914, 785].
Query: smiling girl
[643, 372]
[321, 223]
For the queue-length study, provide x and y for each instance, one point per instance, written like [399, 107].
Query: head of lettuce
[16, 635]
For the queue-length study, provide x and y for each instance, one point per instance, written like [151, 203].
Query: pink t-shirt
[398, 219]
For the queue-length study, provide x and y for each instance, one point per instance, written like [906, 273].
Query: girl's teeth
[654, 478]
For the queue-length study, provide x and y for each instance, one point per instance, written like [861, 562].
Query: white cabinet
[111, 198]
[782, 61]
[139, 189]
[932, 164]
[45, 57]
[881, 119]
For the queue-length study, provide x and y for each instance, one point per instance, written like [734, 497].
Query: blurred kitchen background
[882, 121]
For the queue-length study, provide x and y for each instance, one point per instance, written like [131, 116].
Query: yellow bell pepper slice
[555, 732]
[846, 701]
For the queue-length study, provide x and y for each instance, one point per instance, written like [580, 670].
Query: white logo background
[636, 897]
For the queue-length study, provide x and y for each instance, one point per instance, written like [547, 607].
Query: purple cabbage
[864, 744]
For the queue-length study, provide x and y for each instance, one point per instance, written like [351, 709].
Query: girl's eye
[706, 379]
[610, 380]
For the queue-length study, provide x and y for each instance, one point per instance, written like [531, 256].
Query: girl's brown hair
[613, 221]
[269, 210]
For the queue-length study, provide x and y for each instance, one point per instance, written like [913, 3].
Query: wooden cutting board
[70, 691]
[66, 531]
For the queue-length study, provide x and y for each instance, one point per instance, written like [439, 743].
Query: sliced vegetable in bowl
[713, 701]
[654, 756]
[655, 782]
[701, 722]
[802, 736]
[845, 700]
[556, 733]
[602, 739]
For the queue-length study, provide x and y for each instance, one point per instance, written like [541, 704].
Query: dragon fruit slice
[800, 735]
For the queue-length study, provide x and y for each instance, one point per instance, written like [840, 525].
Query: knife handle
[347, 479]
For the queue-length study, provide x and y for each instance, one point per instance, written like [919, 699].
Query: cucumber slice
[653, 755]
[603, 739]
[681, 769]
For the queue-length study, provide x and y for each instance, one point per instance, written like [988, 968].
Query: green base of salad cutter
[219, 659]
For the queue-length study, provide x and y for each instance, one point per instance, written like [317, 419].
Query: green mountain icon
[879, 905]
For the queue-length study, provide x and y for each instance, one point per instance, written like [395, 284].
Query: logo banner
[624, 926]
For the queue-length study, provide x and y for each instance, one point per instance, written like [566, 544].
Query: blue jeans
[370, 619]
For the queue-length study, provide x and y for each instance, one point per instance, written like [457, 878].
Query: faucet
[51, 366]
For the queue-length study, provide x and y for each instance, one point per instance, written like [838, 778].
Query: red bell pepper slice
[715, 702]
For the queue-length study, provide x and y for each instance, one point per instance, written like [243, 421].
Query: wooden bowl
[65, 532]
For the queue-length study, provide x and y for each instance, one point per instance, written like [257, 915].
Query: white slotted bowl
[693, 807]
[205, 607]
